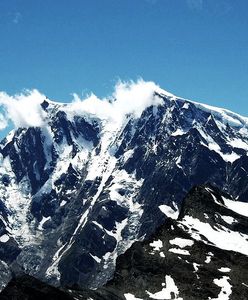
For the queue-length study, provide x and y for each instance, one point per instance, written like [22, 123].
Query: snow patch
[178, 132]
[96, 258]
[228, 157]
[237, 143]
[237, 206]
[168, 211]
[63, 203]
[185, 105]
[4, 238]
[208, 258]
[156, 245]
[44, 219]
[196, 268]
[182, 243]
[234, 241]
[226, 288]
[128, 154]
[130, 296]
[228, 219]
[224, 270]
[169, 292]
[179, 251]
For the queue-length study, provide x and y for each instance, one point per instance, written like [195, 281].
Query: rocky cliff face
[200, 254]
[79, 190]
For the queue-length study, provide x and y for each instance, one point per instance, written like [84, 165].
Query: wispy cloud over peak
[23, 110]
[3, 122]
[128, 98]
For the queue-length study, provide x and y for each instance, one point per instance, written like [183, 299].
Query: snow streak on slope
[83, 219]
[223, 236]
[17, 200]
[103, 165]
[234, 241]
[237, 206]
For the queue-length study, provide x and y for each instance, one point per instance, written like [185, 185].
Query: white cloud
[91, 104]
[134, 97]
[24, 109]
[195, 4]
[3, 122]
[127, 98]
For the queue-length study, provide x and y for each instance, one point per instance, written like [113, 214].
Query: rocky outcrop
[181, 260]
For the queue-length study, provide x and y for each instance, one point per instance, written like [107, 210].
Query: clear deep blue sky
[196, 49]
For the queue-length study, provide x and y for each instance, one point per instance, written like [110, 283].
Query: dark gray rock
[28, 288]
[141, 268]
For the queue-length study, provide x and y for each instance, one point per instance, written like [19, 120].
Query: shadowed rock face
[181, 260]
[76, 193]
[28, 288]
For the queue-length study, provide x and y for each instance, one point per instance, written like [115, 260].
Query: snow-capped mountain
[80, 188]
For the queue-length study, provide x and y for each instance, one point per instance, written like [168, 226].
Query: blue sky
[197, 49]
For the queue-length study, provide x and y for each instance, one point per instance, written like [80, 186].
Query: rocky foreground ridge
[196, 255]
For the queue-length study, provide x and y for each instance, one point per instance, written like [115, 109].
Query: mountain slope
[182, 260]
[77, 191]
